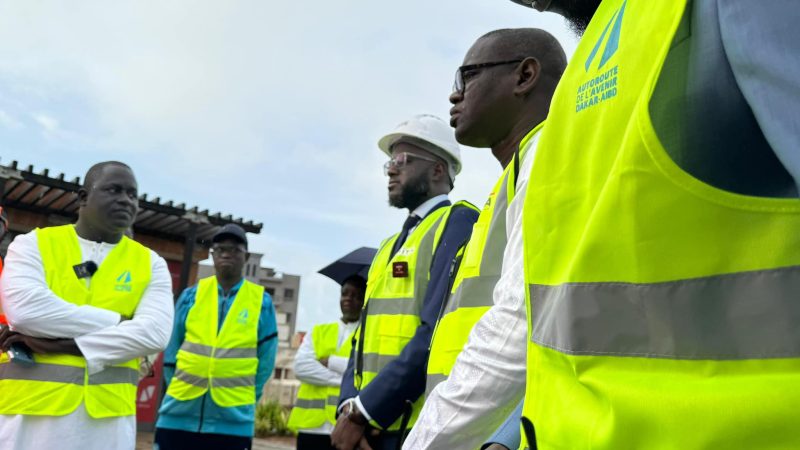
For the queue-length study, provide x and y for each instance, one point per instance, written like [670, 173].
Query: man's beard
[412, 194]
[579, 13]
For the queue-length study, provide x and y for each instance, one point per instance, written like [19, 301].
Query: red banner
[149, 393]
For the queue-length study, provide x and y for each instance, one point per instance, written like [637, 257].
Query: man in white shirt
[69, 336]
[321, 370]
[503, 94]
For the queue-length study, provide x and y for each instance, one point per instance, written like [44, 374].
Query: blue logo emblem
[124, 282]
[613, 40]
[243, 316]
[602, 86]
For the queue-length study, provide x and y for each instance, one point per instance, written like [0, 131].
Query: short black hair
[356, 280]
[521, 43]
[96, 170]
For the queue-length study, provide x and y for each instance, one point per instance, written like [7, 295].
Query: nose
[456, 97]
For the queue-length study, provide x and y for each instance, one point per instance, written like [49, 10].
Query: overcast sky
[265, 110]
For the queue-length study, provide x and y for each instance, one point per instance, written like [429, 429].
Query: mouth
[392, 185]
[454, 118]
[122, 212]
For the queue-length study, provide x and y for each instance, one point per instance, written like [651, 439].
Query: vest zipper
[454, 264]
[202, 412]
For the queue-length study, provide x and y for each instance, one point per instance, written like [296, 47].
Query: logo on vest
[242, 317]
[406, 251]
[124, 282]
[602, 86]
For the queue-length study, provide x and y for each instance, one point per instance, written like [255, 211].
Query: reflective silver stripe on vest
[496, 239]
[393, 306]
[234, 381]
[477, 291]
[309, 404]
[115, 375]
[433, 380]
[197, 349]
[56, 373]
[748, 315]
[333, 400]
[473, 292]
[222, 353]
[194, 380]
[374, 362]
[236, 353]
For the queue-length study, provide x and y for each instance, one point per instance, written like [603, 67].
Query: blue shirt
[508, 434]
[202, 415]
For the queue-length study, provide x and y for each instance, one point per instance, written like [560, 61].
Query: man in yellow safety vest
[383, 388]
[221, 354]
[88, 302]
[320, 363]
[661, 259]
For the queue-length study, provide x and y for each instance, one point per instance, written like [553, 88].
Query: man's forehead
[481, 51]
[408, 147]
[116, 175]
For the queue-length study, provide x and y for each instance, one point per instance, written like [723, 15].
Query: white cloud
[49, 124]
[10, 122]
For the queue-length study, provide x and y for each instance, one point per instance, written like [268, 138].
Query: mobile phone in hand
[19, 353]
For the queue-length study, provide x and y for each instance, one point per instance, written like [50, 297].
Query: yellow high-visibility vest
[57, 384]
[662, 311]
[394, 303]
[223, 362]
[317, 404]
[477, 274]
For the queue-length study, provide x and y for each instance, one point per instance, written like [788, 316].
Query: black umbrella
[354, 263]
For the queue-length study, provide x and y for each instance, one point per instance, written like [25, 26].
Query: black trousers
[167, 439]
[309, 441]
[384, 441]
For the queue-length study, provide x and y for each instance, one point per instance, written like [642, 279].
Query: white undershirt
[33, 309]
[488, 379]
[310, 371]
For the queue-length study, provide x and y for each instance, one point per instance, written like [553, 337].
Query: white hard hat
[430, 129]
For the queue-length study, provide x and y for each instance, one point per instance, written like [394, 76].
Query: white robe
[32, 308]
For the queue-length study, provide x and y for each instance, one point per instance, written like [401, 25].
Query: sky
[266, 110]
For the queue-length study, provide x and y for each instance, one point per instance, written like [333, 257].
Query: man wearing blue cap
[221, 353]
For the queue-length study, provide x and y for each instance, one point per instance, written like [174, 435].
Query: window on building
[288, 294]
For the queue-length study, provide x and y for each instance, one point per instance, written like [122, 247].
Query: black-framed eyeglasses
[464, 73]
[219, 250]
[400, 160]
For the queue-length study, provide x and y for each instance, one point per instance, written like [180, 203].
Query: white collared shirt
[422, 210]
[488, 378]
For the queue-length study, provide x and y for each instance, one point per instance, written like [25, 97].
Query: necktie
[411, 222]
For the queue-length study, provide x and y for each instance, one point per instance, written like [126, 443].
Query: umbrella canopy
[354, 263]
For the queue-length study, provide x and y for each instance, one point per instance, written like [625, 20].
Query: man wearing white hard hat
[383, 387]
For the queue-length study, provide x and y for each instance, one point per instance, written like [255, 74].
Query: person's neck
[504, 149]
[348, 321]
[227, 283]
[91, 233]
[413, 208]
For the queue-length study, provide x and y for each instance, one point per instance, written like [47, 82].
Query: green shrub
[271, 419]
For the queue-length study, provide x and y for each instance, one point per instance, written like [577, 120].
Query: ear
[439, 172]
[83, 194]
[528, 73]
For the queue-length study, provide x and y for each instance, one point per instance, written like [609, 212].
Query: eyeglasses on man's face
[400, 160]
[219, 250]
[465, 73]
